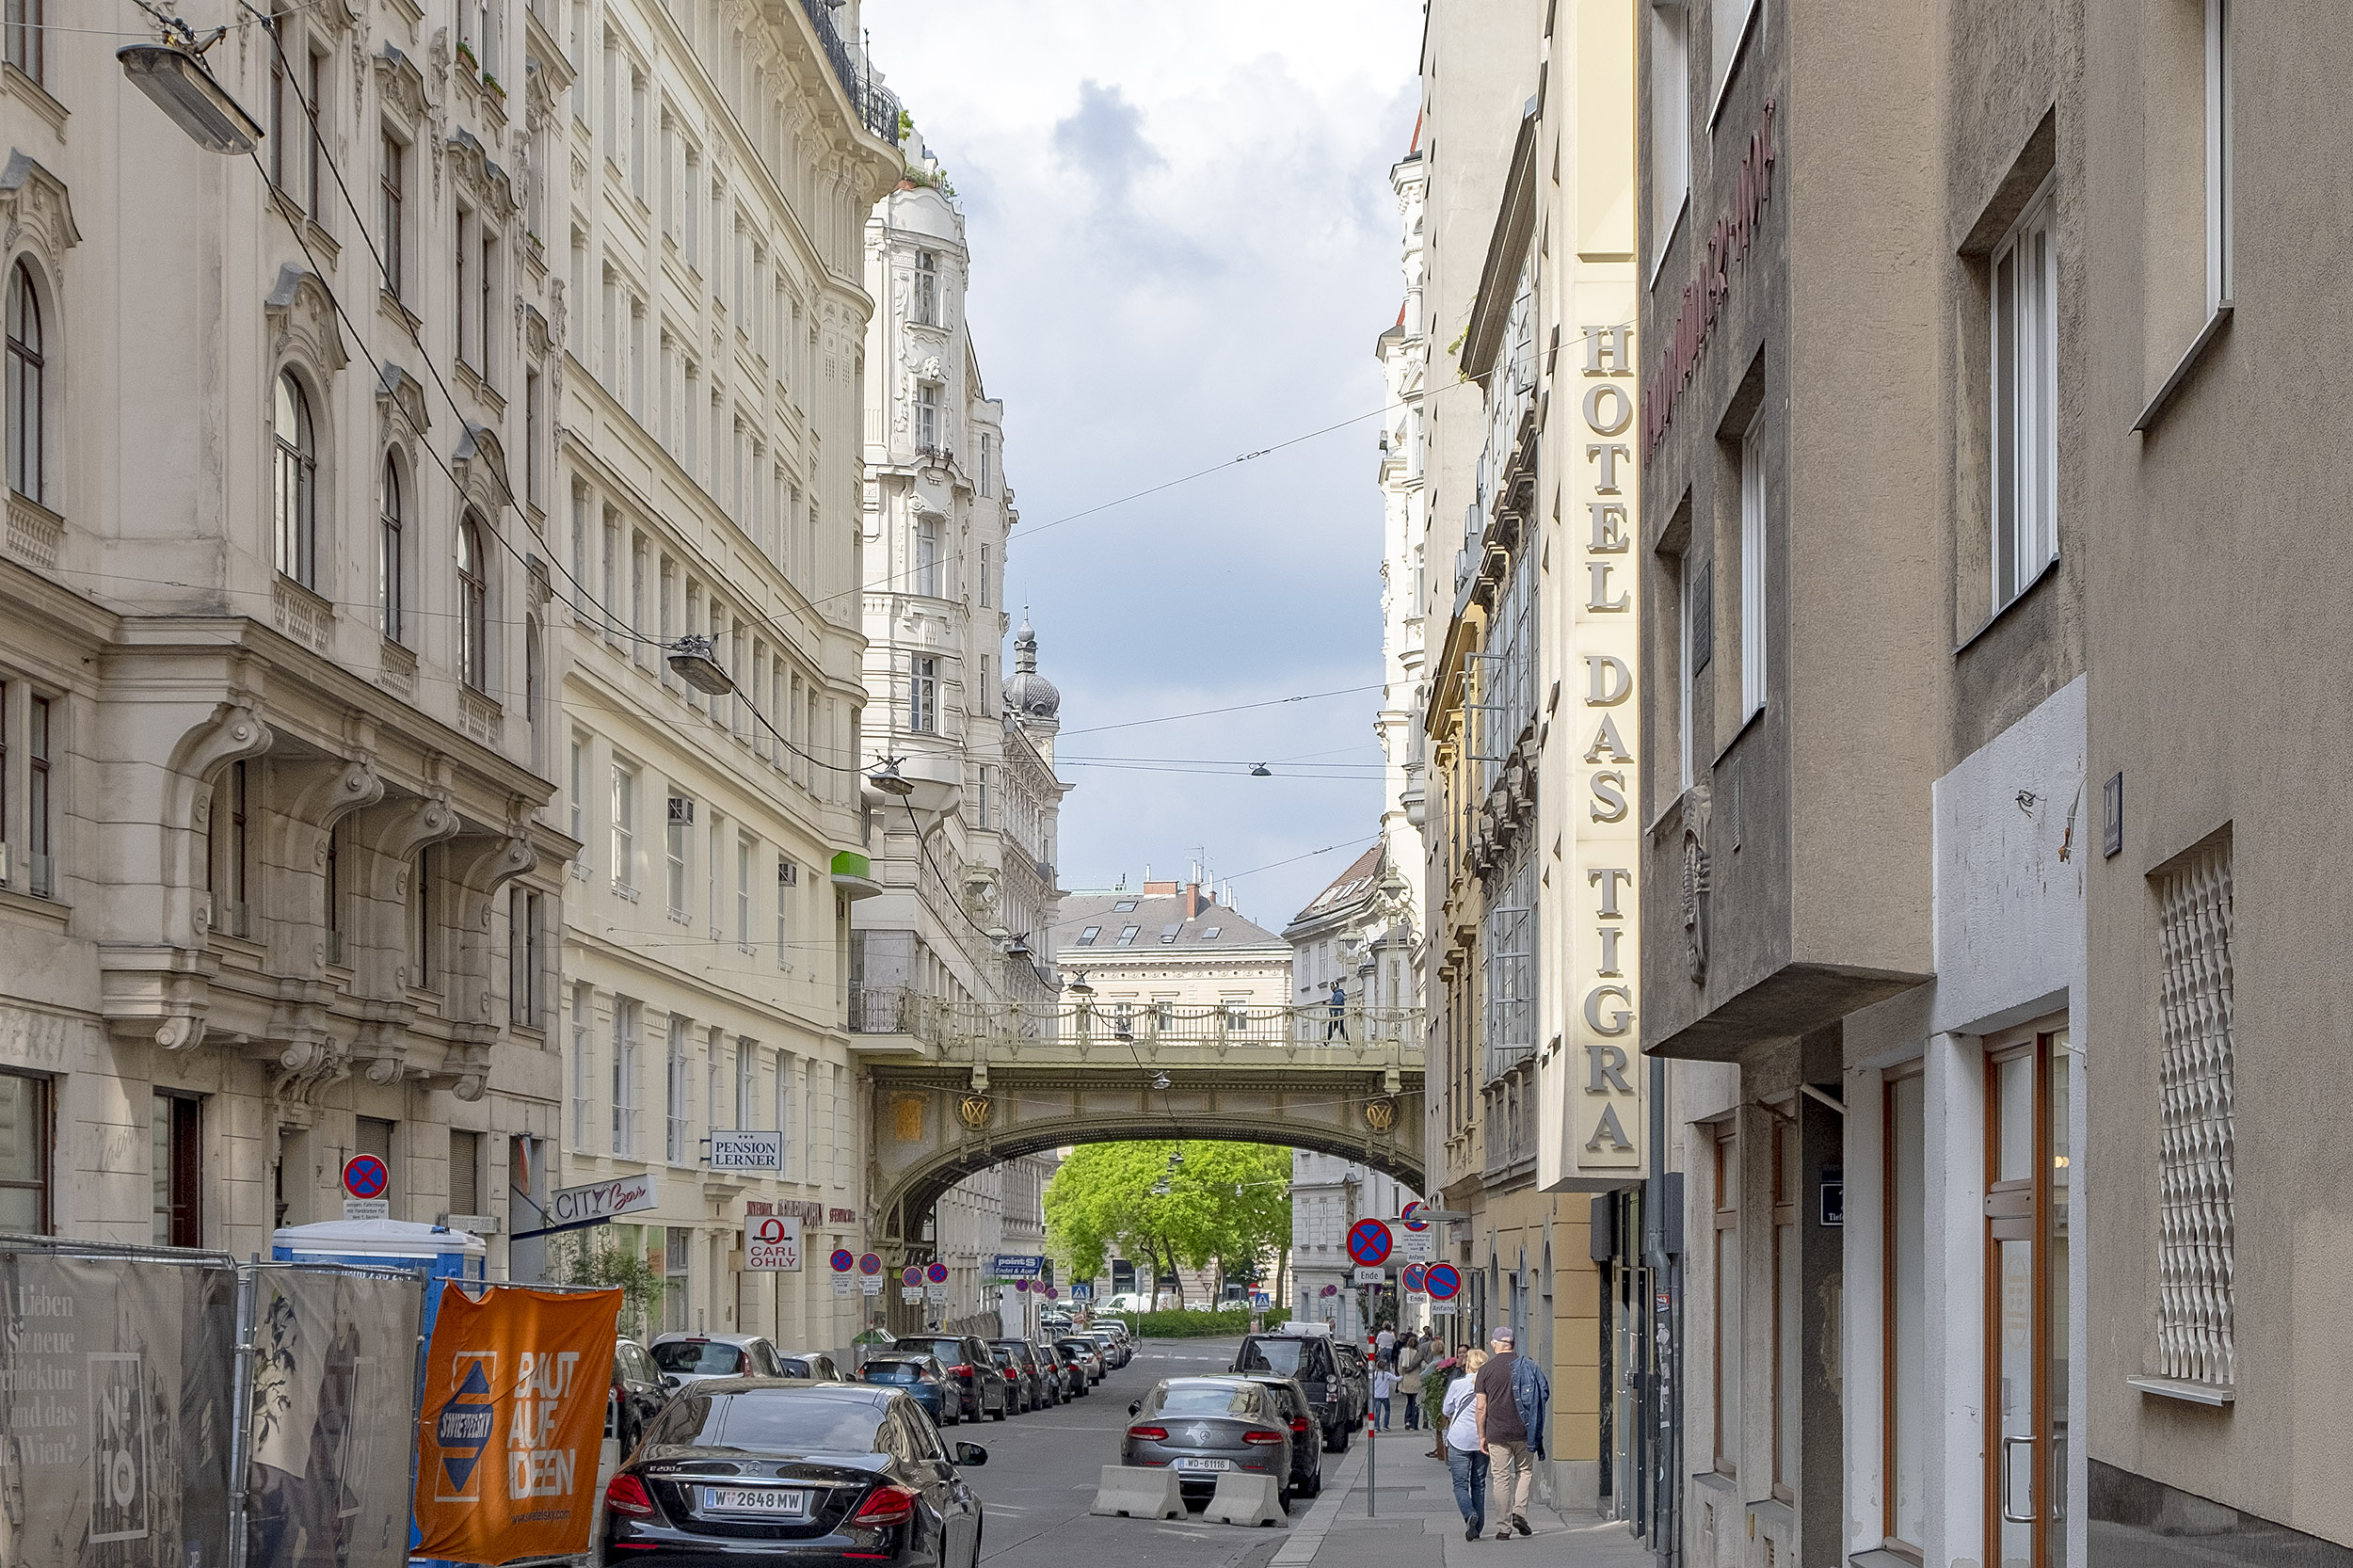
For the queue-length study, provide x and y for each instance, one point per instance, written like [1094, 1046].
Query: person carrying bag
[1466, 1455]
[1409, 1382]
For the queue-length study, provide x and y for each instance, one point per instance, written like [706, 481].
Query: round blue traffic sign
[1369, 1242]
[869, 1264]
[936, 1274]
[1442, 1280]
[911, 1274]
[1411, 1219]
[366, 1176]
[842, 1261]
[1416, 1276]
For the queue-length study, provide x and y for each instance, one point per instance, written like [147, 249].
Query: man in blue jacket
[1514, 1400]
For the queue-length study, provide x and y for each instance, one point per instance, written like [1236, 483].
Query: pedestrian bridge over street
[956, 1087]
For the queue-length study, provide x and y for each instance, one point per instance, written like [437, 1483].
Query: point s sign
[512, 1420]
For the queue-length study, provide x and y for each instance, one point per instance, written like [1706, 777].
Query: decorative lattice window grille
[2196, 1231]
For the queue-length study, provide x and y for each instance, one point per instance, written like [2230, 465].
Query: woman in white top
[1466, 1456]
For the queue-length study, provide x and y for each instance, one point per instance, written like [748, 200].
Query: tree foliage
[1226, 1203]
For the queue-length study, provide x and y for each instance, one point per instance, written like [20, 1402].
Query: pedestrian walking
[1511, 1397]
[1466, 1456]
[1385, 1346]
[1433, 1387]
[1409, 1380]
[1384, 1384]
[1339, 1012]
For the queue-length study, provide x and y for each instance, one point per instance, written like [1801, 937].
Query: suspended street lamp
[691, 661]
[890, 780]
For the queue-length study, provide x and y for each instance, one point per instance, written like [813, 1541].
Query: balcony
[877, 106]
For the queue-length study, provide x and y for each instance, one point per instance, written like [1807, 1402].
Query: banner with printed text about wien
[511, 1423]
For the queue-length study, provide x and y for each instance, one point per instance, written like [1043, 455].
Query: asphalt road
[1039, 1481]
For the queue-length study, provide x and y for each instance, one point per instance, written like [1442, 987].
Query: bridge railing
[1002, 1029]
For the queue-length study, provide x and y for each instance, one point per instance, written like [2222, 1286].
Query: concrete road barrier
[1138, 1494]
[1242, 1498]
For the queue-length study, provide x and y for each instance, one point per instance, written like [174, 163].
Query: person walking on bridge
[1339, 1012]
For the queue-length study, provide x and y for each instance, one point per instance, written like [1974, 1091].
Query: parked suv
[638, 1395]
[968, 1362]
[1049, 1376]
[1024, 1388]
[1308, 1359]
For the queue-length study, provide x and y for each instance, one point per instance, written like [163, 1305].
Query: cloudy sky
[1184, 244]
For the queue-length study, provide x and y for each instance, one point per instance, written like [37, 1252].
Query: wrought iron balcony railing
[877, 106]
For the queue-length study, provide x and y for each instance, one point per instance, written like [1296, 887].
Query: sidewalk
[1416, 1525]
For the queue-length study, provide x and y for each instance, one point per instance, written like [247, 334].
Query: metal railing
[1010, 1025]
[876, 105]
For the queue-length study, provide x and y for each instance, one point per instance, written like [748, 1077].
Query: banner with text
[115, 1401]
[334, 1395]
[513, 1417]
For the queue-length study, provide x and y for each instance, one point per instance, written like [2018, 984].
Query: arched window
[535, 691]
[392, 580]
[473, 607]
[26, 475]
[296, 479]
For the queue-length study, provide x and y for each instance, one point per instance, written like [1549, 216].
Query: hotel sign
[1728, 243]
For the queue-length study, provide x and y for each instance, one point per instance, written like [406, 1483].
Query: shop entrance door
[2026, 1303]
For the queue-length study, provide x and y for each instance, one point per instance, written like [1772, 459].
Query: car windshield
[1204, 1398]
[698, 1356]
[775, 1420]
[1274, 1355]
[950, 1352]
[893, 1371]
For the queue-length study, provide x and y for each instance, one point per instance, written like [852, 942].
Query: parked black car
[1308, 1358]
[1299, 1415]
[967, 1360]
[637, 1394]
[919, 1374]
[1049, 1377]
[1022, 1382]
[1087, 1353]
[739, 1470]
[1068, 1375]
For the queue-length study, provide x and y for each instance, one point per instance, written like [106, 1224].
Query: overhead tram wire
[1237, 708]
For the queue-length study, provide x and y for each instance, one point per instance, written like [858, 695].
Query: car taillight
[628, 1495]
[1260, 1435]
[1150, 1435]
[1298, 1423]
[886, 1505]
[964, 1372]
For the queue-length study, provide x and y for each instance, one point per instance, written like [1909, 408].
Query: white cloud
[1184, 245]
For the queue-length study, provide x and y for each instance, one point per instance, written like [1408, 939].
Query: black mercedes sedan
[760, 1470]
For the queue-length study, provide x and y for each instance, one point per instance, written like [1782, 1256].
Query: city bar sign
[1604, 1083]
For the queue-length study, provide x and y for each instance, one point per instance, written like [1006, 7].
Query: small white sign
[910, 1295]
[841, 1285]
[600, 1200]
[1374, 1276]
[772, 1243]
[871, 1284]
[936, 1293]
[747, 1151]
[1441, 1309]
[479, 1224]
[367, 1209]
[1413, 1246]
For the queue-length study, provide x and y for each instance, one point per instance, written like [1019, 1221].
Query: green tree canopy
[1228, 1202]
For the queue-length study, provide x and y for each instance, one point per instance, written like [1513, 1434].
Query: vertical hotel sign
[1606, 1089]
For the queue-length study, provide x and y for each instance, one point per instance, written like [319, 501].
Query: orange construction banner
[512, 1422]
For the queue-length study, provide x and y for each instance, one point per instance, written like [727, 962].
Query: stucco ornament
[1695, 906]
[974, 1111]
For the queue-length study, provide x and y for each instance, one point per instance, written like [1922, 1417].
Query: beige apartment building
[720, 168]
[279, 882]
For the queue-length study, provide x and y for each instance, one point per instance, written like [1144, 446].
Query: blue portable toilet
[387, 1244]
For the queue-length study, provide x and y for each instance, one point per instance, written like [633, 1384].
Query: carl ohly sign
[1605, 1090]
[772, 1243]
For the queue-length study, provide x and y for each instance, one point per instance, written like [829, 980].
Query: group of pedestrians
[1492, 1407]
[1397, 1368]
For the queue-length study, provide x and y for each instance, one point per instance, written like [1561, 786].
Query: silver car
[690, 1358]
[1206, 1427]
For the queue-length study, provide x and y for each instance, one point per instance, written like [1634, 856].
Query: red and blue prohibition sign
[842, 1261]
[1369, 1242]
[1415, 1278]
[936, 1274]
[869, 1264]
[1411, 1219]
[1444, 1280]
[366, 1176]
[911, 1274]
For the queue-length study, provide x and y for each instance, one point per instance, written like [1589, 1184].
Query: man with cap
[1511, 1395]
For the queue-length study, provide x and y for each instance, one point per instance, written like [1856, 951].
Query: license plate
[774, 1502]
[1204, 1464]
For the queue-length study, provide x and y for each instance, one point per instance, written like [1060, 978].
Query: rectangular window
[784, 1112]
[986, 484]
[27, 35]
[465, 1171]
[526, 936]
[743, 895]
[675, 833]
[927, 556]
[744, 1074]
[580, 792]
[579, 559]
[924, 694]
[835, 1123]
[1727, 1279]
[624, 827]
[788, 877]
[2025, 399]
[486, 315]
[2220, 188]
[1904, 1327]
[677, 1252]
[24, 1153]
[982, 823]
[678, 1135]
[1787, 1310]
[926, 417]
[177, 1168]
[391, 195]
[534, 480]
[314, 145]
[424, 920]
[583, 1068]
[1730, 25]
[2195, 1312]
[464, 302]
[624, 1077]
[927, 288]
[1670, 122]
[1688, 696]
[1753, 642]
[988, 589]
[37, 809]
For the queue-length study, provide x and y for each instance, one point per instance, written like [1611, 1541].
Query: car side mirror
[671, 1384]
[1136, 1408]
[972, 1453]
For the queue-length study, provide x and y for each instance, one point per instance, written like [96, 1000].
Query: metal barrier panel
[117, 1410]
